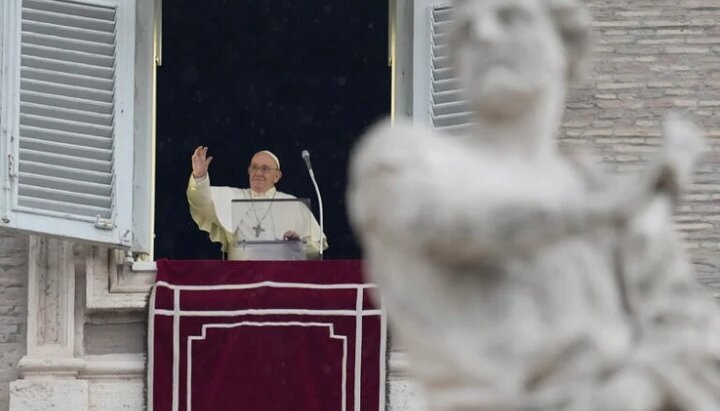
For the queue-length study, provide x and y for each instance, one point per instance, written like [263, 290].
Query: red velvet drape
[265, 336]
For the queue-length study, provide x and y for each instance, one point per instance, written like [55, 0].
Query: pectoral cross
[258, 229]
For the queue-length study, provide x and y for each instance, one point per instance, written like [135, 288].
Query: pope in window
[240, 217]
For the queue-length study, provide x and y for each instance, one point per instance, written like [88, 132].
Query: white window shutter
[67, 118]
[437, 99]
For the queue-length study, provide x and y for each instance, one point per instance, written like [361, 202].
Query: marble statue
[519, 277]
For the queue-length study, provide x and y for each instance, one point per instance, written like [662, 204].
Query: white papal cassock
[210, 207]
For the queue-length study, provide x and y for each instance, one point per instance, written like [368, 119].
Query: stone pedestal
[50, 368]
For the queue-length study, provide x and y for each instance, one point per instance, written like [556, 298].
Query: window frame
[412, 57]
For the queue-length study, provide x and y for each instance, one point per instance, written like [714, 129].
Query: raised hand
[200, 162]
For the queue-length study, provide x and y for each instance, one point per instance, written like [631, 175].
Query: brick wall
[13, 308]
[652, 57]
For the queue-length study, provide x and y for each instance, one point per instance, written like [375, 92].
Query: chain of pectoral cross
[258, 228]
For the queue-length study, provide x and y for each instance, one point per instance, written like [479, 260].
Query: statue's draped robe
[511, 291]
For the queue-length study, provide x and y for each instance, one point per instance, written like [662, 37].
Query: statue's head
[509, 53]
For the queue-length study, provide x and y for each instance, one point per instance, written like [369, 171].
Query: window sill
[115, 286]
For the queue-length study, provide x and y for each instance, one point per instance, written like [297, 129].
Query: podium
[271, 250]
[259, 226]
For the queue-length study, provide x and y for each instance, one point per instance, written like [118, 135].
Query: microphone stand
[306, 157]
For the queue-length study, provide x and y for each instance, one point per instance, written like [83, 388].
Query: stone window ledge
[113, 285]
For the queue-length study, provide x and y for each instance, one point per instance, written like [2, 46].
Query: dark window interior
[240, 76]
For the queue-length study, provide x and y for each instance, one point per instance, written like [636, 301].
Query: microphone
[306, 156]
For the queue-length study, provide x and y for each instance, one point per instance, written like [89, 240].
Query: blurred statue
[518, 277]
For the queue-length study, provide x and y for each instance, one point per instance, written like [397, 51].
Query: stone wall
[652, 57]
[13, 308]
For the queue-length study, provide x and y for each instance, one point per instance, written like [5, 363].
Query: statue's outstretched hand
[669, 174]
[683, 145]
[200, 162]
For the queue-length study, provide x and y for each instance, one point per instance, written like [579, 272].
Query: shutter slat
[451, 119]
[70, 56]
[50, 29]
[56, 194]
[66, 149]
[70, 103]
[444, 97]
[66, 125]
[440, 50]
[446, 85]
[67, 185]
[65, 137]
[438, 39]
[74, 80]
[29, 167]
[66, 91]
[440, 63]
[441, 27]
[456, 129]
[76, 210]
[442, 13]
[61, 160]
[67, 67]
[454, 107]
[77, 9]
[68, 20]
[63, 113]
[442, 74]
[102, 49]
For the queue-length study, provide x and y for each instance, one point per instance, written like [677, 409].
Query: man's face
[506, 52]
[263, 172]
